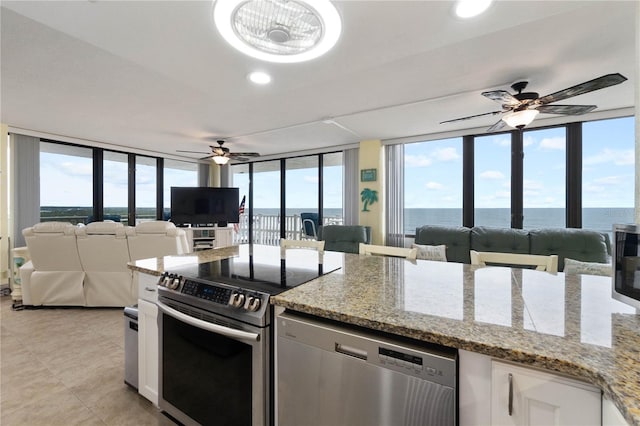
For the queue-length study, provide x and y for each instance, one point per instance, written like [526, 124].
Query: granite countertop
[568, 324]
[563, 323]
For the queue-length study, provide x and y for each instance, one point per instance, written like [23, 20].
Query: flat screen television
[204, 206]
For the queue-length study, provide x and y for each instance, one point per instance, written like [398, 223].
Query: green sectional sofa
[578, 244]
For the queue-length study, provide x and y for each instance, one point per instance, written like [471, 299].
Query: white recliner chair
[54, 276]
[156, 239]
[104, 254]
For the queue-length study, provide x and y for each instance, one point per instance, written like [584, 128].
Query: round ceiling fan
[221, 154]
[520, 109]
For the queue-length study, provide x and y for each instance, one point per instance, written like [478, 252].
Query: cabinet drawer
[147, 287]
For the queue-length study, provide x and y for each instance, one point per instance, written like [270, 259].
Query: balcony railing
[266, 228]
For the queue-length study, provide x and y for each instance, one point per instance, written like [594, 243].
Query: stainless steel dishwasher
[329, 374]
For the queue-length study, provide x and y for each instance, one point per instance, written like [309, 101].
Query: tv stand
[205, 238]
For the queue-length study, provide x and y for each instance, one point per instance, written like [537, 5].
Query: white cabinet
[147, 337]
[611, 416]
[523, 396]
[208, 238]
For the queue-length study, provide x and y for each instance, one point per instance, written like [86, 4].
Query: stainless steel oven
[214, 370]
[215, 336]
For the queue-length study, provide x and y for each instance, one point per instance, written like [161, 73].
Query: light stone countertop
[563, 323]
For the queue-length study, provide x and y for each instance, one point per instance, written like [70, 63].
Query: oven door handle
[214, 328]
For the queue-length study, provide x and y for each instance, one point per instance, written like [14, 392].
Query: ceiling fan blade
[244, 154]
[502, 96]
[499, 125]
[236, 158]
[192, 152]
[586, 87]
[472, 116]
[207, 157]
[566, 109]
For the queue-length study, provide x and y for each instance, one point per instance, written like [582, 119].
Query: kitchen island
[561, 323]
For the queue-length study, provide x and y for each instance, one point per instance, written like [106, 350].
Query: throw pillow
[437, 253]
[572, 266]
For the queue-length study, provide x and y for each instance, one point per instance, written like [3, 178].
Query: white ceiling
[156, 75]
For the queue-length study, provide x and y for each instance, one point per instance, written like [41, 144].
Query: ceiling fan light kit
[220, 160]
[283, 31]
[471, 8]
[519, 119]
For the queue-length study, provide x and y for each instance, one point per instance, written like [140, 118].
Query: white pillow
[438, 253]
[590, 268]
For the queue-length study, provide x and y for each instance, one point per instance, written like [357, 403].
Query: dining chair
[309, 244]
[408, 253]
[542, 263]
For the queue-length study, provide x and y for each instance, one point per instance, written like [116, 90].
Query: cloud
[438, 155]
[433, 185]
[75, 169]
[532, 185]
[503, 141]
[491, 174]
[612, 180]
[553, 144]
[445, 154]
[417, 161]
[311, 179]
[619, 157]
[593, 188]
[528, 140]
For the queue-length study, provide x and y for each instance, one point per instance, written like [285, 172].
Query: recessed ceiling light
[278, 31]
[471, 8]
[259, 77]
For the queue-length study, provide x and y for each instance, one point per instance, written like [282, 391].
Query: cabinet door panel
[540, 398]
[148, 350]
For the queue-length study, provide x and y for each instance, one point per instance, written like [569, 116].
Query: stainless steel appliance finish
[333, 375]
[212, 366]
[131, 346]
[625, 285]
[215, 338]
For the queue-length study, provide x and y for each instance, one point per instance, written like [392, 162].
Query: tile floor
[66, 367]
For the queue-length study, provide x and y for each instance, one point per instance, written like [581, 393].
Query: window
[608, 173]
[544, 177]
[177, 173]
[433, 184]
[492, 180]
[145, 189]
[240, 180]
[115, 186]
[66, 183]
[301, 192]
[332, 184]
[266, 202]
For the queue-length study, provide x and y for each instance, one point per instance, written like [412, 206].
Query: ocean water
[599, 219]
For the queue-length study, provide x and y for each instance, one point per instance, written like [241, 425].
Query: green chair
[345, 238]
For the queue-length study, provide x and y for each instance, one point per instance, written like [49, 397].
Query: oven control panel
[216, 293]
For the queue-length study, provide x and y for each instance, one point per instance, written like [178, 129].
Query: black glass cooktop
[261, 272]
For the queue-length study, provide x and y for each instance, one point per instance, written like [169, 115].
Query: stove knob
[254, 304]
[164, 281]
[237, 300]
[174, 282]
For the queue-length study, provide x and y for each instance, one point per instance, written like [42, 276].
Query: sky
[433, 174]
[433, 170]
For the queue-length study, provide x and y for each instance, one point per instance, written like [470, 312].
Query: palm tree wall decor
[368, 197]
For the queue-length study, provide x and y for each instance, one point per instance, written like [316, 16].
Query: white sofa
[87, 265]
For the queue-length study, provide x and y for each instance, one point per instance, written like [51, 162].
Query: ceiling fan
[521, 108]
[221, 154]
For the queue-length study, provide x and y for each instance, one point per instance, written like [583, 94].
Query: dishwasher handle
[351, 351]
